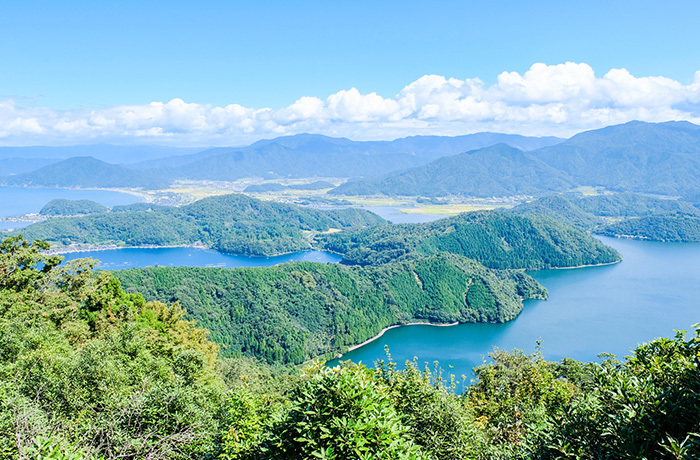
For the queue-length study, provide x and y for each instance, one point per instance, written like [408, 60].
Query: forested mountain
[230, 223]
[309, 155]
[498, 170]
[63, 207]
[495, 239]
[661, 158]
[293, 312]
[86, 172]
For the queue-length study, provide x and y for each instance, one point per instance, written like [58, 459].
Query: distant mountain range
[122, 154]
[661, 158]
[311, 155]
[303, 155]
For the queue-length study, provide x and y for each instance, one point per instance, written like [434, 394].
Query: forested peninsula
[294, 312]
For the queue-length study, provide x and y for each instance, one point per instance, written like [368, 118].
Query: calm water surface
[655, 290]
[18, 201]
[115, 259]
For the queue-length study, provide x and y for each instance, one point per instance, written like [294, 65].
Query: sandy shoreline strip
[580, 266]
[355, 347]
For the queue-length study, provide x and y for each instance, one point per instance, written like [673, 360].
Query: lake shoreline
[580, 266]
[112, 247]
[368, 341]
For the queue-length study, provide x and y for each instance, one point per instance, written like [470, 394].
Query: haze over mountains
[662, 158]
[304, 155]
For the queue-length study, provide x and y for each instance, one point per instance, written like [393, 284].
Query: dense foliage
[633, 205]
[97, 370]
[495, 239]
[230, 223]
[519, 407]
[62, 207]
[294, 312]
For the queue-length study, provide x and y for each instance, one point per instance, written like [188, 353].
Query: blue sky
[62, 62]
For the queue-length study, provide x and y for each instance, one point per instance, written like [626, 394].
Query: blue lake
[654, 290]
[17, 201]
[115, 259]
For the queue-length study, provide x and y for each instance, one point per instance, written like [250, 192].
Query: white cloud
[545, 100]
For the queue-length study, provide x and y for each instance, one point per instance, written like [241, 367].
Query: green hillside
[230, 223]
[676, 228]
[495, 239]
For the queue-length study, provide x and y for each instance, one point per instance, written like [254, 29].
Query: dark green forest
[298, 311]
[89, 371]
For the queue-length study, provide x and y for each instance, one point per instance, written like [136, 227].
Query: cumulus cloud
[545, 100]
